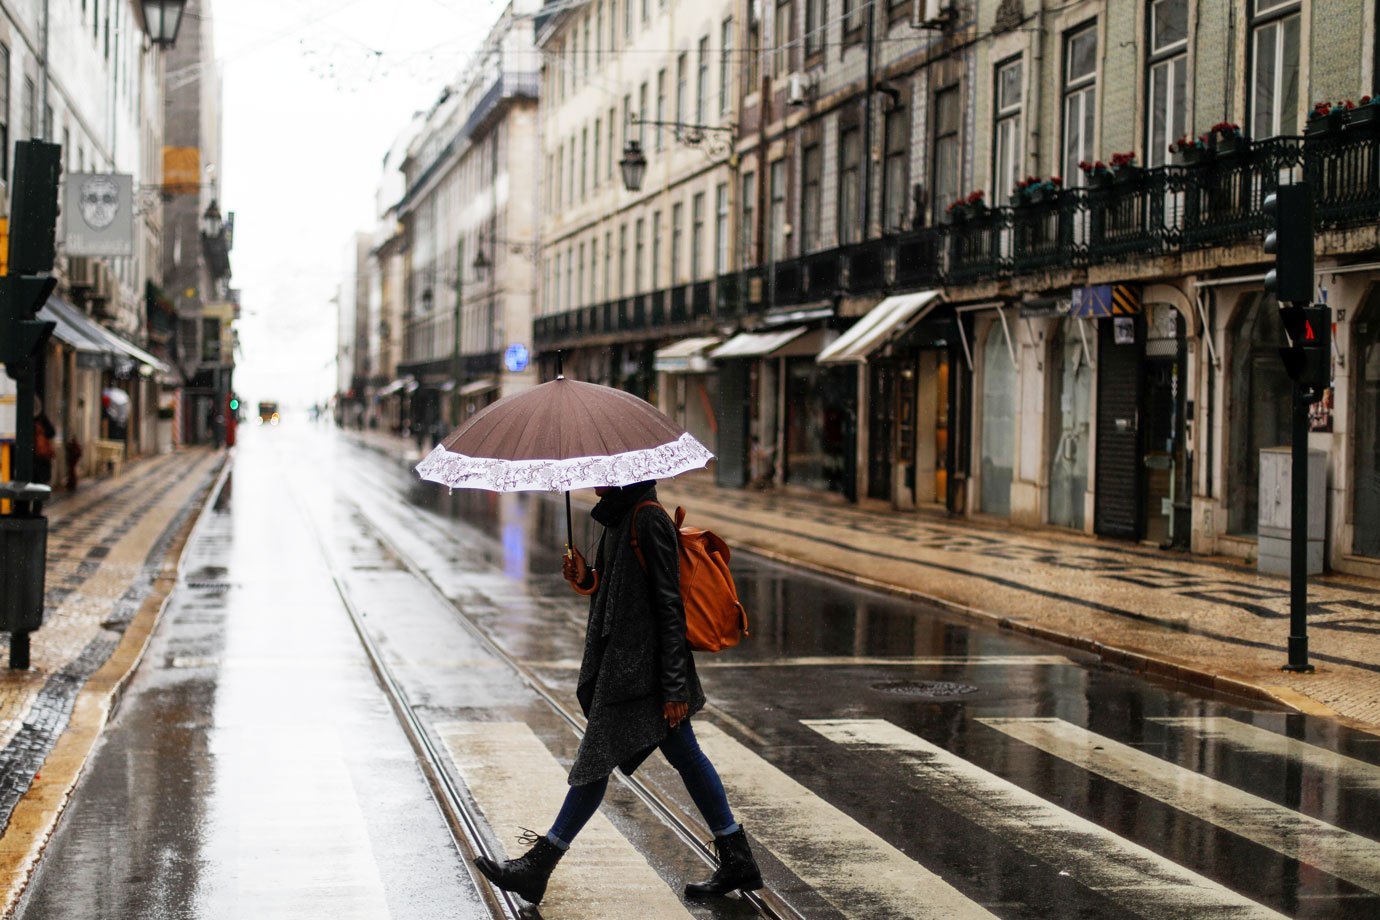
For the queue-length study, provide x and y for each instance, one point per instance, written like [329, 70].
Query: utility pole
[1307, 361]
[23, 292]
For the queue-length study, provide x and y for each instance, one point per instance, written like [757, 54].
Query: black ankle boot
[737, 869]
[527, 875]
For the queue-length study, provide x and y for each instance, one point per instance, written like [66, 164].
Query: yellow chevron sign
[1125, 300]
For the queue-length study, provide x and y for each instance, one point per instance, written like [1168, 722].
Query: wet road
[888, 760]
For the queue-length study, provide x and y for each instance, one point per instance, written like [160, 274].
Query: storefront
[1071, 396]
[687, 386]
[904, 349]
[1365, 539]
[1261, 395]
[784, 419]
[997, 430]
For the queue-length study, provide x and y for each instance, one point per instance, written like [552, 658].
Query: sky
[315, 93]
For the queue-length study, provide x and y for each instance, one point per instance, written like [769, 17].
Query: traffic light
[1308, 357]
[21, 297]
[33, 217]
[1290, 211]
[234, 404]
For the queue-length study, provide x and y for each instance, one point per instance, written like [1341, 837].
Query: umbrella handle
[569, 527]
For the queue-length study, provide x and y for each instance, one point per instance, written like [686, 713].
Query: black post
[1298, 536]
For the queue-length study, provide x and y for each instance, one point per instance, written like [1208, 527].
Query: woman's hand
[675, 713]
[574, 569]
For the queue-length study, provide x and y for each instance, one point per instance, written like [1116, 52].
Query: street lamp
[163, 18]
[633, 166]
[481, 265]
[211, 223]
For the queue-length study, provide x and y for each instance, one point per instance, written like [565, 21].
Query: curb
[35, 818]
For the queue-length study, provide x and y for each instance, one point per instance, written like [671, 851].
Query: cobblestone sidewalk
[107, 544]
[1207, 621]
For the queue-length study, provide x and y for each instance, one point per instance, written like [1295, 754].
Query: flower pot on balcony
[1364, 121]
[1037, 195]
[1328, 125]
[1232, 145]
[1099, 180]
[1193, 156]
[1128, 175]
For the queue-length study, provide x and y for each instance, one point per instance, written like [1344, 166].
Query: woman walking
[638, 689]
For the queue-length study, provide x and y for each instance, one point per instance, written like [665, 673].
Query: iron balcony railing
[1215, 200]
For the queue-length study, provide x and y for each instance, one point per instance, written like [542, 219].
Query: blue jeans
[682, 752]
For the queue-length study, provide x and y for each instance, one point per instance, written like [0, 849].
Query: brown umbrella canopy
[563, 419]
[563, 435]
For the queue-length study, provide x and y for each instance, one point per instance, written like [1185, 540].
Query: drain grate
[933, 689]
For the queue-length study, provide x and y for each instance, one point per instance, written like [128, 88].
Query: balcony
[1138, 214]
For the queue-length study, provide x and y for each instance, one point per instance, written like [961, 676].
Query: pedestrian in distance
[639, 691]
[44, 452]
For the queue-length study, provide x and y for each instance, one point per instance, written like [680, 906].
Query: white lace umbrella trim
[461, 472]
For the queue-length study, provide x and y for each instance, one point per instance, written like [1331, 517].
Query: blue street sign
[1092, 301]
[516, 358]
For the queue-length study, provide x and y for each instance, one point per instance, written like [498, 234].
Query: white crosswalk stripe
[1353, 773]
[853, 869]
[825, 661]
[1146, 883]
[516, 782]
[1331, 849]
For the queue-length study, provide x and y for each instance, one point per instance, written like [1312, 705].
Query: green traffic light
[234, 404]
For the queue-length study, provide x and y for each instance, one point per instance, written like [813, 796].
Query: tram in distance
[268, 413]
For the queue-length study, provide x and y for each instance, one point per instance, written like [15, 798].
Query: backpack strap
[641, 559]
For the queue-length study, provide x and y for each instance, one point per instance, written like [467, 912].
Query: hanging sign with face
[98, 214]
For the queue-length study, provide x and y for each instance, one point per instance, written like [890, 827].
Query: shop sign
[1124, 330]
[99, 212]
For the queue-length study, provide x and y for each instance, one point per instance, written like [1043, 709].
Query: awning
[395, 386]
[891, 318]
[686, 356]
[135, 352]
[475, 387]
[93, 349]
[756, 344]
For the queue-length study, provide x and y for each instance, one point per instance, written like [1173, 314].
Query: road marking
[846, 864]
[517, 782]
[1148, 884]
[1298, 836]
[1354, 774]
[939, 661]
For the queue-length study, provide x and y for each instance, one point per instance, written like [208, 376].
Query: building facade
[469, 236]
[1003, 259]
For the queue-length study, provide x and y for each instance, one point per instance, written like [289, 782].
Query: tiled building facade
[1097, 355]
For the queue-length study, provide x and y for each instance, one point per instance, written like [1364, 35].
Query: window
[752, 72]
[811, 176]
[946, 150]
[702, 82]
[656, 250]
[696, 236]
[622, 260]
[608, 267]
[613, 149]
[580, 282]
[646, 11]
[850, 185]
[1080, 98]
[677, 241]
[639, 251]
[682, 76]
[5, 112]
[598, 161]
[588, 50]
[814, 27]
[570, 279]
[598, 34]
[30, 111]
[1275, 68]
[1006, 133]
[1168, 78]
[584, 163]
[781, 35]
[627, 19]
[660, 103]
[852, 21]
[560, 178]
[895, 169]
[777, 217]
[642, 113]
[748, 190]
[725, 68]
[721, 229]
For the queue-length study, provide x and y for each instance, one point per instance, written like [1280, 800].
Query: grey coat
[636, 655]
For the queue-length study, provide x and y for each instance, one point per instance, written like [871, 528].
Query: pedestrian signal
[1308, 356]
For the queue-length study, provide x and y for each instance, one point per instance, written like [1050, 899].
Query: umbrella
[560, 436]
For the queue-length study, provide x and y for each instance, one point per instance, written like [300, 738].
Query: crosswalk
[852, 867]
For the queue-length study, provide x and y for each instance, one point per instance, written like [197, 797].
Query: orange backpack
[714, 617]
